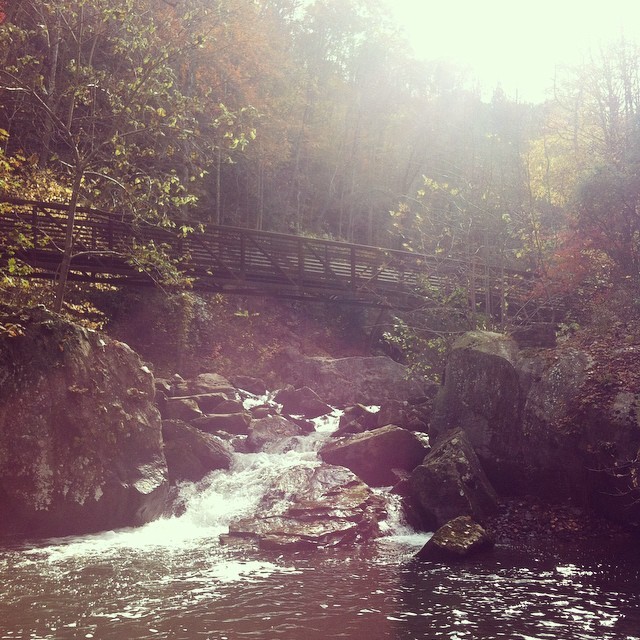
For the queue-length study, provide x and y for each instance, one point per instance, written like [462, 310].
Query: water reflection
[372, 593]
[510, 596]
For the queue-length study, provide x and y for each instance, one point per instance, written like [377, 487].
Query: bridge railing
[247, 261]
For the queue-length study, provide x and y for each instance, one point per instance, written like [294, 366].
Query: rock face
[309, 507]
[449, 483]
[482, 396]
[340, 381]
[80, 437]
[538, 426]
[374, 455]
[457, 539]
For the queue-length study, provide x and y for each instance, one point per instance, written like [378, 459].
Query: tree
[98, 79]
[594, 169]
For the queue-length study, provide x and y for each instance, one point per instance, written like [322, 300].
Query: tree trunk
[68, 241]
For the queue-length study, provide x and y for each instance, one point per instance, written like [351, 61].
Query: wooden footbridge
[248, 262]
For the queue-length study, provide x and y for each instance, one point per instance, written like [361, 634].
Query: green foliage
[313, 117]
[424, 353]
[155, 261]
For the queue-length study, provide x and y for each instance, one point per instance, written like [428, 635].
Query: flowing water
[173, 579]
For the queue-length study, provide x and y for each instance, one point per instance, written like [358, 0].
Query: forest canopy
[315, 118]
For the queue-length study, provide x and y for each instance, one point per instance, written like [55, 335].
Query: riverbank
[531, 524]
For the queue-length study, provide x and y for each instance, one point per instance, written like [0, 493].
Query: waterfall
[207, 508]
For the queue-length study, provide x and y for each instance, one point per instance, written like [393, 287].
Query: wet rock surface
[272, 433]
[190, 453]
[459, 538]
[313, 507]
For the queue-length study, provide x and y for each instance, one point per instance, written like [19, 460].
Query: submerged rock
[80, 437]
[374, 455]
[309, 507]
[458, 538]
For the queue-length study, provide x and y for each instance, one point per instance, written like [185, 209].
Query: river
[173, 579]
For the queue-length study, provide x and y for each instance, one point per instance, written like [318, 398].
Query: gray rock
[205, 383]
[541, 425]
[341, 381]
[481, 393]
[266, 433]
[180, 409]
[256, 386]
[190, 453]
[357, 419]
[457, 539]
[392, 412]
[228, 406]
[313, 507]
[80, 436]
[450, 482]
[301, 402]
[209, 402]
[261, 411]
[234, 423]
[373, 455]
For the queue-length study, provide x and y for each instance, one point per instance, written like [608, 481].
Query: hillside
[190, 334]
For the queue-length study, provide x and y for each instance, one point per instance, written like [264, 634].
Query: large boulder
[80, 436]
[581, 439]
[341, 381]
[376, 456]
[309, 507]
[547, 422]
[459, 538]
[266, 434]
[301, 402]
[449, 483]
[205, 383]
[191, 454]
[482, 395]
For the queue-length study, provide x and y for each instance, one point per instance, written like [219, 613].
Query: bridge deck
[234, 260]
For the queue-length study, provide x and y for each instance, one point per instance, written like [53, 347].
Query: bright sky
[516, 43]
